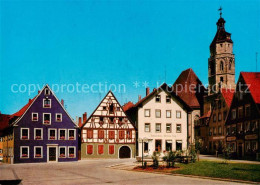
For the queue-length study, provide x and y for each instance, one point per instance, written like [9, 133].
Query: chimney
[84, 117]
[30, 100]
[80, 123]
[147, 91]
[139, 97]
[62, 102]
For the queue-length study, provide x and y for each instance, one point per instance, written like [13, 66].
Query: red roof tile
[22, 110]
[252, 79]
[188, 80]
[127, 106]
[228, 95]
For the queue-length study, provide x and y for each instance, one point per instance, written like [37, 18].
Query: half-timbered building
[108, 132]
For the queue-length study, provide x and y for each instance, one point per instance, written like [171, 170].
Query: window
[59, 117]
[62, 152]
[178, 145]
[89, 134]
[52, 134]
[168, 113]
[101, 134]
[47, 118]
[178, 128]
[168, 99]
[178, 114]
[62, 134]
[225, 115]
[158, 145]
[104, 108]
[158, 127]
[118, 108]
[72, 134]
[219, 104]
[24, 152]
[247, 126]
[214, 131]
[47, 91]
[129, 134]
[24, 133]
[168, 145]
[38, 134]
[158, 98]
[100, 149]
[219, 130]
[147, 113]
[111, 134]
[46, 103]
[247, 110]
[111, 149]
[168, 127]
[72, 151]
[214, 118]
[240, 112]
[111, 108]
[147, 127]
[230, 64]
[233, 114]
[146, 147]
[157, 113]
[38, 152]
[121, 134]
[219, 116]
[89, 149]
[210, 131]
[34, 116]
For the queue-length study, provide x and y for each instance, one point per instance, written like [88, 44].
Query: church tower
[221, 64]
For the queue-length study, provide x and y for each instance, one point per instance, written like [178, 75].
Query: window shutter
[129, 134]
[121, 134]
[111, 149]
[90, 134]
[89, 149]
[101, 134]
[100, 149]
[111, 134]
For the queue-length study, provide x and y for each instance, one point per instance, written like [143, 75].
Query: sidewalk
[214, 158]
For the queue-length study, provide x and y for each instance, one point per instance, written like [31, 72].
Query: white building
[161, 119]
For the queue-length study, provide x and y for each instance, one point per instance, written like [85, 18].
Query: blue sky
[119, 42]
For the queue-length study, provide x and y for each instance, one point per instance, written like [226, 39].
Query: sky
[134, 44]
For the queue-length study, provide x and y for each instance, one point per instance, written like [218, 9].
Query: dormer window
[158, 98]
[46, 103]
[47, 118]
[58, 117]
[34, 116]
[47, 91]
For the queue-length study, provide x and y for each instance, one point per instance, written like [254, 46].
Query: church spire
[221, 22]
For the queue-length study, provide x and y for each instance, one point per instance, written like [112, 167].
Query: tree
[169, 158]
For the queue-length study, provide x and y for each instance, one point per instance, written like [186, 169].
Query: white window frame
[43, 103]
[178, 111]
[65, 134]
[36, 116]
[65, 151]
[170, 128]
[21, 134]
[74, 134]
[57, 117]
[158, 110]
[149, 127]
[35, 133]
[69, 151]
[147, 110]
[35, 152]
[21, 150]
[47, 93]
[43, 118]
[49, 131]
[168, 111]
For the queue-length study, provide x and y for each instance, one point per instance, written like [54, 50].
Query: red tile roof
[228, 95]
[252, 79]
[188, 80]
[127, 106]
[22, 110]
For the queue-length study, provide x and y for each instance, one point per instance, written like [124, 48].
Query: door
[52, 154]
[124, 152]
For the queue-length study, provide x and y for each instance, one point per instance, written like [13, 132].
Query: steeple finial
[220, 11]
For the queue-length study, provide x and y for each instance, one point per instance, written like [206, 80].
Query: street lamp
[142, 140]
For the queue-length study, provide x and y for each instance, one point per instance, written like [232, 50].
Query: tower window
[221, 79]
[230, 65]
[221, 66]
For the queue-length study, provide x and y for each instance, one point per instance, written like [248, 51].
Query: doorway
[52, 154]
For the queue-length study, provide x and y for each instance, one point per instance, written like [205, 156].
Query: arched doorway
[124, 152]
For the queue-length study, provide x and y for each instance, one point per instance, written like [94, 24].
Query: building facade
[108, 132]
[161, 118]
[43, 131]
[242, 123]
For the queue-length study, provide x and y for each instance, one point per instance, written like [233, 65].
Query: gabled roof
[167, 89]
[181, 86]
[252, 79]
[127, 106]
[228, 95]
[24, 108]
